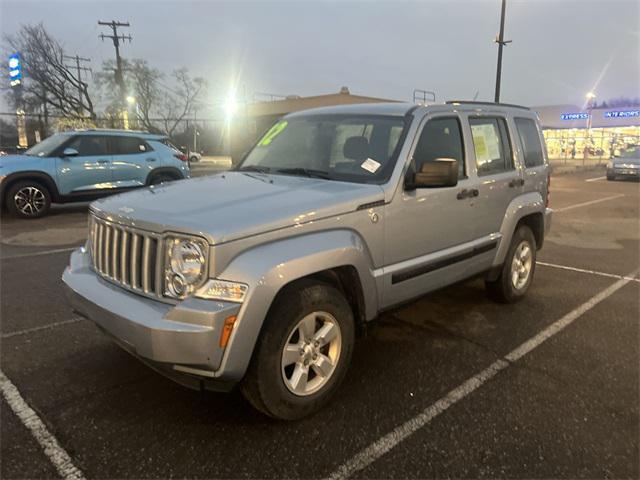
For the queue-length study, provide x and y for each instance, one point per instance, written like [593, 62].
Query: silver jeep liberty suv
[263, 275]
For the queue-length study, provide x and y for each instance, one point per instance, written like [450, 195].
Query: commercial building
[572, 132]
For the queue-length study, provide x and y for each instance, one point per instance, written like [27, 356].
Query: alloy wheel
[311, 353]
[521, 265]
[29, 201]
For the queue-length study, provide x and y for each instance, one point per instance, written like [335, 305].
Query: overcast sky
[561, 48]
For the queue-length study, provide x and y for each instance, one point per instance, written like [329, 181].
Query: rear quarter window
[530, 140]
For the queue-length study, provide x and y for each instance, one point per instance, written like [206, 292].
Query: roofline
[472, 102]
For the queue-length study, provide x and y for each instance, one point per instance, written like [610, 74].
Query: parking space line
[585, 204]
[29, 418]
[36, 254]
[582, 270]
[386, 443]
[597, 179]
[42, 327]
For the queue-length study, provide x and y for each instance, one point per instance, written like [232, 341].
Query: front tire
[303, 352]
[518, 269]
[28, 199]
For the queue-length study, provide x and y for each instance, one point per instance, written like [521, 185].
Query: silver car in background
[625, 165]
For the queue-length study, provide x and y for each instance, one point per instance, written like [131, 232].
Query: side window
[89, 145]
[491, 145]
[530, 139]
[440, 138]
[130, 145]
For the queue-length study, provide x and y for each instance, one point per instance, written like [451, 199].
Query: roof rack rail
[119, 130]
[472, 102]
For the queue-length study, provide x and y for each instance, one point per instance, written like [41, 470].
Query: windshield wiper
[253, 168]
[308, 172]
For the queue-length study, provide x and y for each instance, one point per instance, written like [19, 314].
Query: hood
[627, 161]
[12, 163]
[235, 205]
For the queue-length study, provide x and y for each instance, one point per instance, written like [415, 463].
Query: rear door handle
[150, 159]
[102, 162]
[516, 182]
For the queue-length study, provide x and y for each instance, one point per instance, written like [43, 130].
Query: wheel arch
[41, 177]
[339, 258]
[173, 171]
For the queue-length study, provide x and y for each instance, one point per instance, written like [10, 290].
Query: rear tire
[289, 376]
[518, 269]
[28, 199]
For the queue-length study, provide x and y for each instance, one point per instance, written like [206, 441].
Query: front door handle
[464, 193]
[102, 162]
[516, 182]
[150, 159]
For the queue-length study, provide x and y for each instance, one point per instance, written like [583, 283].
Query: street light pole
[501, 43]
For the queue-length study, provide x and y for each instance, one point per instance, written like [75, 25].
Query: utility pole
[79, 71]
[119, 77]
[501, 43]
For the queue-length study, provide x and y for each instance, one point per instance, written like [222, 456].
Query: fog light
[177, 285]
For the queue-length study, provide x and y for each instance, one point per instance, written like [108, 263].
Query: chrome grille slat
[144, 274]
[135, 257]
[115, 250]
[124, 265]
[127, 256]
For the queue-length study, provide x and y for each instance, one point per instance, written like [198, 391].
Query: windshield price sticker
[370, 165]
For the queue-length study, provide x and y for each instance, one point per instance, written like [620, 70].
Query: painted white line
[597, 179]
[52, 449]
[383, 445]
[42, 327]
[37, 254]
[585, 204]
[592, 272]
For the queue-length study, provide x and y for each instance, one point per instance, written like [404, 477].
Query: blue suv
[84, 165]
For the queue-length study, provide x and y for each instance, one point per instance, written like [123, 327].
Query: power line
[116, 38]
[79, 71]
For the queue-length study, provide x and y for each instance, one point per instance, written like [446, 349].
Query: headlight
[185, 266]
[222, 290]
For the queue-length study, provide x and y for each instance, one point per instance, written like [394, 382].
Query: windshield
[350, 148]
[46, 147]
[631, 152]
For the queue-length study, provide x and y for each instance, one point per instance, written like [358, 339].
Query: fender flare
[170, 170]
[37, 175]
[268, 268]
[520, 207]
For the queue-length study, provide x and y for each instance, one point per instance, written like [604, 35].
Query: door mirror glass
[442, 172]
[70, 152]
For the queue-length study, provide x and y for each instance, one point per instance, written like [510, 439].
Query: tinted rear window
[130, 145]
[530, 139]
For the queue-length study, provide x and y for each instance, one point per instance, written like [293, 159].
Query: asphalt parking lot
[451, 385]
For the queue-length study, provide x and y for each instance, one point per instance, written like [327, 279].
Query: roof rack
[471, 102]
[119, 130]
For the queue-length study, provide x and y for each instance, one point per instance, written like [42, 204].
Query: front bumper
[180, 341]
[624, 172]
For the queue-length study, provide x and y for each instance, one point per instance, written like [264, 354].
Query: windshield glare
[348, 148]
[46, 147]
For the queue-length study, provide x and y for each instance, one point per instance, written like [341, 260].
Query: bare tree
[181, 100]
[47, 79]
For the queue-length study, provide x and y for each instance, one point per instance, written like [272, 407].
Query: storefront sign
[621, 114]
[574, 116]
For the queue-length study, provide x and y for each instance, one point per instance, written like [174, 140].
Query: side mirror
[70, 152]
[443, 172]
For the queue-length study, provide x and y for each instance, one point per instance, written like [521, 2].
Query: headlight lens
[222, 290]
[186, 262]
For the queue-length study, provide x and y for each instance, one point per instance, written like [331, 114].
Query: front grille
[127, 256]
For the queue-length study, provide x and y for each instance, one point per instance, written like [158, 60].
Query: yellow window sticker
[273, 132]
